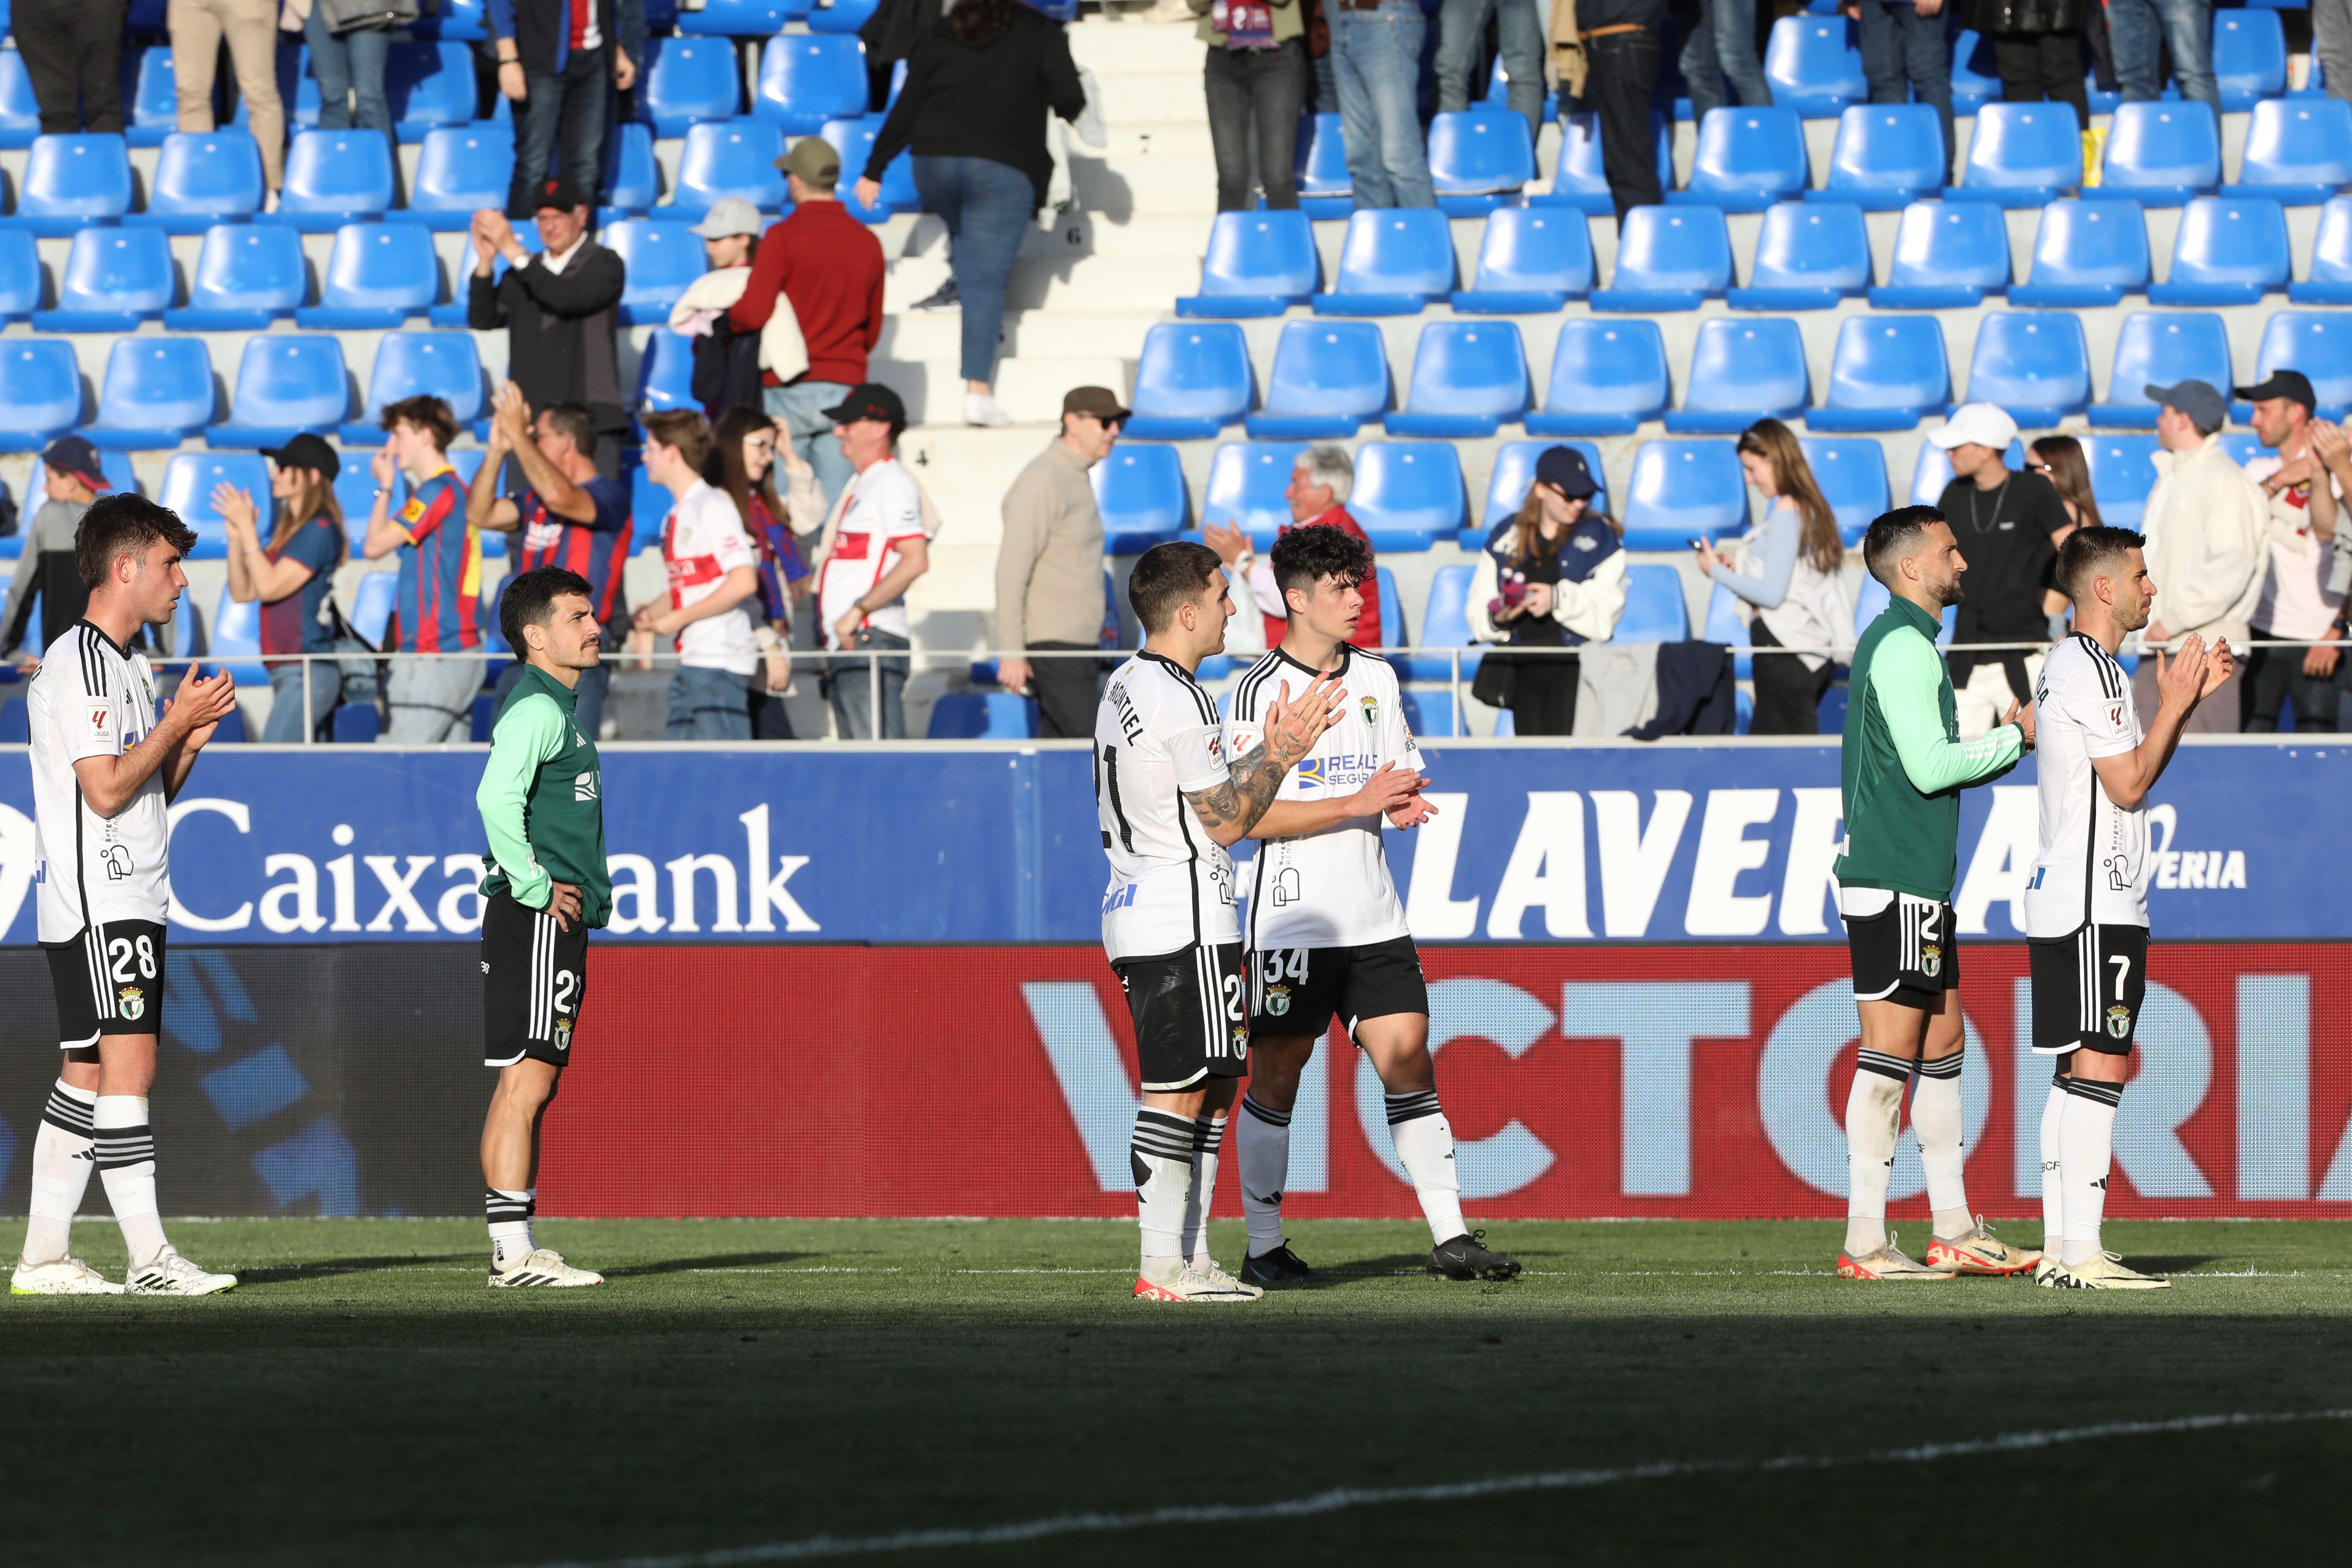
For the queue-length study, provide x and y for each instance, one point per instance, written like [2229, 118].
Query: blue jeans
[347, 67]
[708, 705]
[1376, 57]
[802, 408]
[285, 725]
[1521, 28]
[2139, 28]
[987, 206]
[1719, 58]
[566, 108]
[1903, 52]
[850, 682]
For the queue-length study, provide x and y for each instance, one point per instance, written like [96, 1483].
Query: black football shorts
[1907, 953]
[108, 981]
[1295, 991]
[1188, 1022]
[534, 978]
[2087, 990]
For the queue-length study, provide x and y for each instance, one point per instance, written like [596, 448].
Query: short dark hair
[124, 524]
[1167, 576]
[575, 420]
[2088, 549]
[529, 599]
[1892, 536]
[426, 412]
[1303, 557]
[684, 431]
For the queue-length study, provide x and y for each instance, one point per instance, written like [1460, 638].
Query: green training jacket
[1903, 763]
[542, 802]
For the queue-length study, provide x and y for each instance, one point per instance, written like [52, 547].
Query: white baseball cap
[729, 216]
[1976, 424]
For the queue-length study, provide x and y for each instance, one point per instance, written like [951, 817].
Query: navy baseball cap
[1565, 470]
[72, 455]
[2197, 399]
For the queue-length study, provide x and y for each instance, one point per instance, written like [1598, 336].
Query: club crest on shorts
[1278, 1000]
[1931, 961]
[562, 1034]
[2119, 1021]
[131, 1001]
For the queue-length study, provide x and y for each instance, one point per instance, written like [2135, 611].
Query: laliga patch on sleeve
[100, 717]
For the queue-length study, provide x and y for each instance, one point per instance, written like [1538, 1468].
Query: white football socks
[1262, 1144]
[1936, 1118]
[509, 1216]
[61, 1167]
[1425, 1147]
[124, 1148]
[2054, 1183]
[1161, 1155]
[1208, 1139]
[2086, 1137]
[1873, 1116]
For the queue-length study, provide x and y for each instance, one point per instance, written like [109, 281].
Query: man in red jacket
[1319, 485]
[828, 267]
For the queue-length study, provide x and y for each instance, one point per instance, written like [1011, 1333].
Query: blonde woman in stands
[2059, 459]
[1551, 577]
[1790, 570]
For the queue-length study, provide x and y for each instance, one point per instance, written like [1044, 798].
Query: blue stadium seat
[2229, 250]
[429, 84]
[113, 279]
[2022, 155]
[1809, 256]
[632, 180]
[2298, 151]
[2249, 58]
[662, 258]
[1257, 264]
[151, 95]
[2330, 283]
[20, 112]
[203, 178]
[1748, 159]
[460, 170]
[1321, 165]
[1886, 156]
[40, 392]
[157, 392]
[468, 21]
[2123, 470]
[1607, 377]
[1531, 261]
[1681, 490]
[355, 491]
[735, 158]
[664, 372]
[333, 178]
[1191, 380]
[840, 16]
[2161, 153]
[1740, 372]
[246, 275]
[377, 275]
[2087, 252]
[853, 139]
[1887, 373]
[1479, 158]
[235, 639]
[1391, 263]
[1723, 625]
[1813, 64]
[1655, 610]
[412, 365]
[2033, 364]
[1852, 477]
[808, 78]
[286, 383]
[20, 275]
[1468, 377]
[982, 716]
[2318, 345]
[1578, 181]
[1668, 259]
[1933, 471]
[72, 183]
[189, 481]
[1328, 379]
[1445, 622]
[1246, 481]
[1140, 490]
[370, 614]
[1408, 494]
[1948, 256]
[686, 81]
[742, 18]
[1514, 471]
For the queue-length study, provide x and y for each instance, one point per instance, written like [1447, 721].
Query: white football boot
[172, 1275]
[545, 1268]
[2106, 1272]
[60, 1277]
[1206, 1267]
[1184, 1283]
[1887, 1263]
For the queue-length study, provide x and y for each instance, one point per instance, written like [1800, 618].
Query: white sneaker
[172, 1275]
[1185, 1283]
[1206, 1267]
[60, 1277]
[979, 408]
[1887, 1263]
[545, 1267]
[2106, 1272]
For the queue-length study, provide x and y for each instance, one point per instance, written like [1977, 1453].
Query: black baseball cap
[2288, 383]
[1565, 470]
[870, 400]
[560, 194]
[306, 451]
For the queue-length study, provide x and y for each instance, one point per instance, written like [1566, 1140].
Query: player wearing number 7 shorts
[2086, 902]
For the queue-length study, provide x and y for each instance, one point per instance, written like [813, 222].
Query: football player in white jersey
[1169, 802]
[105, 768]
[1327, 930]
[2086, 902]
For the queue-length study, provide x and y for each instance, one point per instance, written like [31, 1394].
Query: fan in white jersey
[1168, 800]
[105, 769]
[1327, 930]
[2086, 902]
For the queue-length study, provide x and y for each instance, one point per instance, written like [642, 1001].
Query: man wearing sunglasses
[1049, 568]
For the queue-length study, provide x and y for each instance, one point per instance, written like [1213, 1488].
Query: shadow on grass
[288, 1273]
[698, 1265]
[2180, 1264]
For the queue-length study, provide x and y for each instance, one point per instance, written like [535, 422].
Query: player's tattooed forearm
[1247, 791]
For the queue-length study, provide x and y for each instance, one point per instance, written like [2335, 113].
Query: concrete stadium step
[1031, 390]
[1033, 334]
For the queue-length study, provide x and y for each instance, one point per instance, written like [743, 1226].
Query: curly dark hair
[1305, 556]
[975, 19]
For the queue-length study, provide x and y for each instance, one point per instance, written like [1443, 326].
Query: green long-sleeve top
[1903, 763]
[542, 802]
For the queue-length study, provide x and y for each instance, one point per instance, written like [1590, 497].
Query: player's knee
[1408, 1072]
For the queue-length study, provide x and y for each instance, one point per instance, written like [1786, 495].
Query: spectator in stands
[1320, 483]
[1376, 59]
[561, 310]
[1049, 568]
[2331, 44]
[2305, 511]
[2038, 47]
[826, 269]
[875, 547]
[742, 462]
[714, 587]
[2059, 459]
[1621, 51]
[2206, 525]
[2006, 522]
[727, 362]
[569, 515]
[1255, 77]
[250, 27]
[1719, 58]
[72, 481]
[73, 54]
[1906, 53]
[2141, 30]
[561, 62]
[293, 576]
[970, 110]
[349, 63]
[437, 603]
[1553, 576]
[1519, 27]
[1789, 569]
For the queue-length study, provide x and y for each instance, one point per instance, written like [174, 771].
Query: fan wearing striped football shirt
[437, 603]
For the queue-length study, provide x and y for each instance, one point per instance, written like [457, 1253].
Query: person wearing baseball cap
[881, 543]
[560, 308]
[1552, 576]
[292, 575]
[728, 232]
[2207, 526]
[2009, 525]
[1049, 568]
[2298, 604]
[72, 482]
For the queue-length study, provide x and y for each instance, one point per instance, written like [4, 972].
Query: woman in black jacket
[973, 109]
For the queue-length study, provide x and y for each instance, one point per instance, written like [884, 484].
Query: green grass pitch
[363, 1398]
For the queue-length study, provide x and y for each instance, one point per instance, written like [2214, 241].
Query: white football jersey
[2094, 861]
[1330, 888]
[1171, 885]
[92, 699]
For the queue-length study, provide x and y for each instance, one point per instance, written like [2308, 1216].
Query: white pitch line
[1340, 1498]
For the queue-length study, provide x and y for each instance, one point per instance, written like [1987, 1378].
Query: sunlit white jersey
[94, 699]
[2094, 861]
[1330, 888]
[1171, 886]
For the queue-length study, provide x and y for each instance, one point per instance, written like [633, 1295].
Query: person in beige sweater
[1049, 568]
[2207, 526]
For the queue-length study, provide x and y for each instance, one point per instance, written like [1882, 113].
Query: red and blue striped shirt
[598, 549]
[437, 603]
